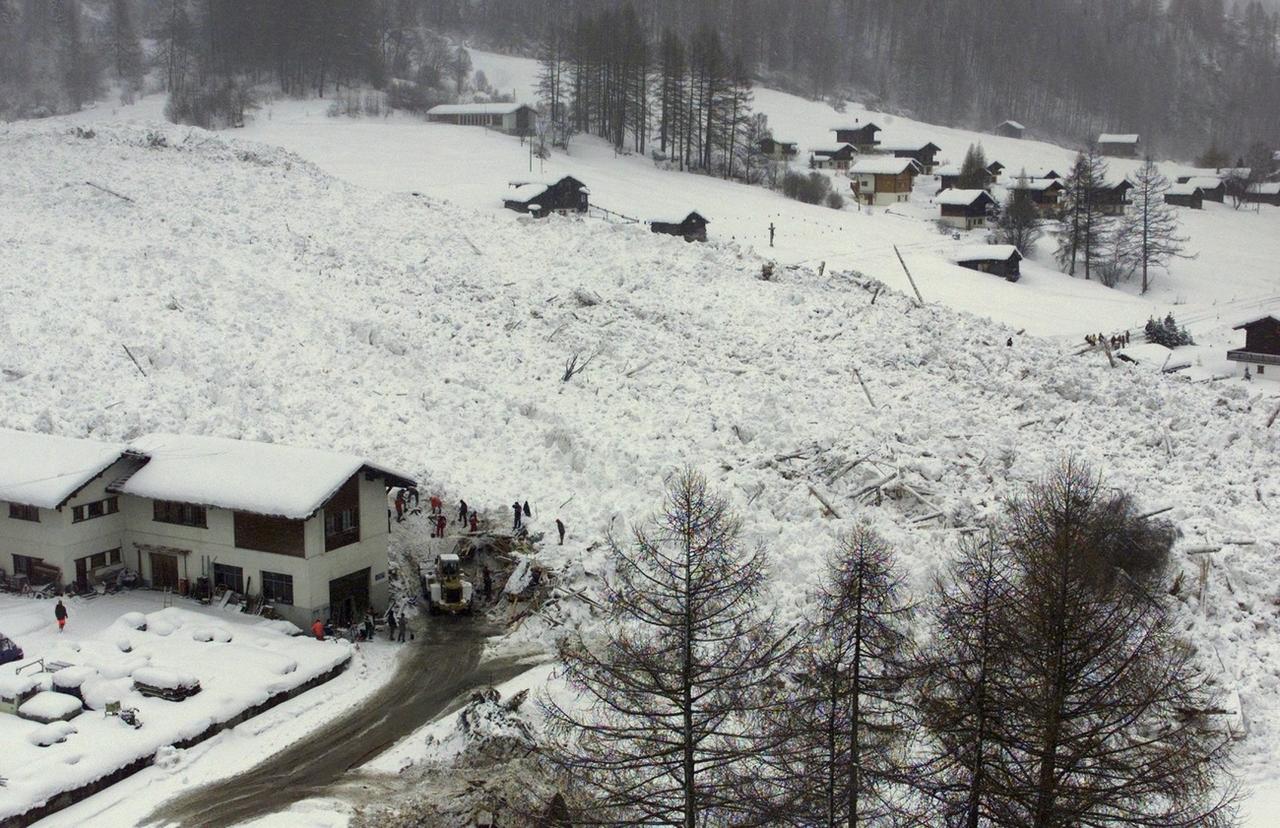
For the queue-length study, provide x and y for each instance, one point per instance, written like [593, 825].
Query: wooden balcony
[1241, 355]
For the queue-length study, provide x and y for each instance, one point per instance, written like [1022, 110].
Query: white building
[306, 530]
[882, 181]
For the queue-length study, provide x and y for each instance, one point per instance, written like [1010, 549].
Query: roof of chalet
[1234, 172]
[855, 128]
[884, 166]
[777, 141]
[1189, 188]
[833, 150]
[986, 253]
[45, 470]
[908, 146]
[962, 198]
[1013, 124]
[1205, 182]
[1037, 184]
[1255, 320]
[1118, 138]
[477, 109]
[526, 190]
[264, 478]
[1036, 172]
[947, 169]
[692, 215]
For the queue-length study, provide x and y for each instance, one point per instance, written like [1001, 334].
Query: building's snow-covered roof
[1013, 124]
[265, 478]
[904, 145]
[854, 127]
[1189, 188]
[526, 192]
[1118, 138]
[947, 169]
[986, 253]
[1204, 182]
[962, 198]
[1265, 188]
[12, 686]
[833, 150]
[1035, 172]
[49, 706]
[476, 109]
[679, 219]
[1254, 319]
[1037, 184]
[44, 470]
[884, 166]
[1234, 172]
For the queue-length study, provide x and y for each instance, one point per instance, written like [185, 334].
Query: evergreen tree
[126, 49]
[1019, 223]
[1085, 225]
[1149, 229]
[973, 172]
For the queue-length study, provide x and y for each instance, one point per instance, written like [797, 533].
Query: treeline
[610, 75]
[1039, 681]
[1184, 73]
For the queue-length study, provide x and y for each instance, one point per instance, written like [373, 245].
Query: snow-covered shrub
[811, 189]
[216, 104]
[1167, 333]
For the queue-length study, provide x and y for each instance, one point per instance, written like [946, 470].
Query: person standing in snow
[462, 511]
[516, 508]
[475, 522]
[436, 504]
[368, 625]
[317, 629]
[400, 506]
[771, 229]
[413, 495]
[404, 626]
[1247, 378]
[560, 529]
[440, 524]
[488, 582]
[391, 623]
[1009, 342]
[527, 512]
[60, 613]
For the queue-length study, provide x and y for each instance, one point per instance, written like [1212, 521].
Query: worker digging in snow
[440, 524]
[475, 522]
[488, 581]
[436, 504]
[317, 629]
[462, 512]
[515, 507]
[527, 512]
[400, 506]
[560, 529]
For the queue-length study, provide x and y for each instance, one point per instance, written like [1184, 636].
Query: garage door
[349, 597]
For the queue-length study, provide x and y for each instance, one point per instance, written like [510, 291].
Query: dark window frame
[277, 587]
[23, 511]
[180, 514]
[95, 509]
[233, 580]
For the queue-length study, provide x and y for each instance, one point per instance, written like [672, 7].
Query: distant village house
[861, 136]
[965, 209]
[924, 153]
[833, 158]
[1003, 260]
[883, 181]
[1261, 349]
[1044, 193]
[1118, 145]
[542, 198]
[949, 176]
[511, 118]
[1264, 192]
[692, 227]
[1113, 197]
[778, 150]
[1185, 195]
[1010, 129]
[1212, 187]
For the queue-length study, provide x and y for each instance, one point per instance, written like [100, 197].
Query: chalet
[692, 227]
[924, 153]
[832, 158]
[304, 530]
[1212, 187]
[1038, 172]
[861, 136]
[1044, 193]
[949, 177]
[511, 118]
[778, 150]
[1113, 197]
[1011, 129]
[1261, 347]
[1185, 195]
[965, 209]
[995, 168]
[881, 181]
[1003, 260]
[1118, 145]
[1264, 192]
[542, 198]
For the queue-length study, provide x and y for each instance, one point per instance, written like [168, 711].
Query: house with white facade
[304, 530]
[511, 118]
[883, 180]
[1260, 356]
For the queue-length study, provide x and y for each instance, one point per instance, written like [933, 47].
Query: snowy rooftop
[526, 192]
[1013, 124]
[949, 169]
[985, 253]
[1205, 182]
[476, 109]
[1117, 138]
[44, 470]
[1186, 189]
[680, 219]
[832, 150]
[854, 127]
[1037, 184]
[907, 145]
[1036, 172]
[883, 166]
[266, 478]
[962, 198]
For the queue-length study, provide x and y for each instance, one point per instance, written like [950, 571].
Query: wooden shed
[1003, 260]
[924, 153]
[861, 136]
[692, 227]
[1210, 186]
[1044, 193]
[1119, 145]
[511, 118]
[542, 198]
[965, 209]
[778, 150]
[833, 158]
[1264, 192]
[1010, 129]
[1185, 195]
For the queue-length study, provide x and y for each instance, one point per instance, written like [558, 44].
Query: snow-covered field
[240, 661]
[327, 305]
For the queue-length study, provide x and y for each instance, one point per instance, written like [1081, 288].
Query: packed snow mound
[49, 706]
[272, 302]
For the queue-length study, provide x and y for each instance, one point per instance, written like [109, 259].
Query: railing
[1241, 355]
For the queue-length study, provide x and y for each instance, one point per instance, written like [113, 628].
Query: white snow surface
[985, 252]
[45, 469]
[269, 479]
[49, 706]
[475, 109]
[960, 198]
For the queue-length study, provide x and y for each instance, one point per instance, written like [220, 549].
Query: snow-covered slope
[266, 299]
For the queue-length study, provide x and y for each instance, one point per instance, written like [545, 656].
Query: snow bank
[165, 679]
[49, 706]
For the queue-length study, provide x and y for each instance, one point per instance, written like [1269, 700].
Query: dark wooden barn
[1001, 260]
[542, 198]
[1185, 195]
[1264, 192]
[1011, 129]
[778, 150]
[1211, 186]
[861, 136]
[924, 153]
[1113, 197]
[1261, 346]
[832, 158]
[692, 227]
[1045, 193]
[965, 209]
